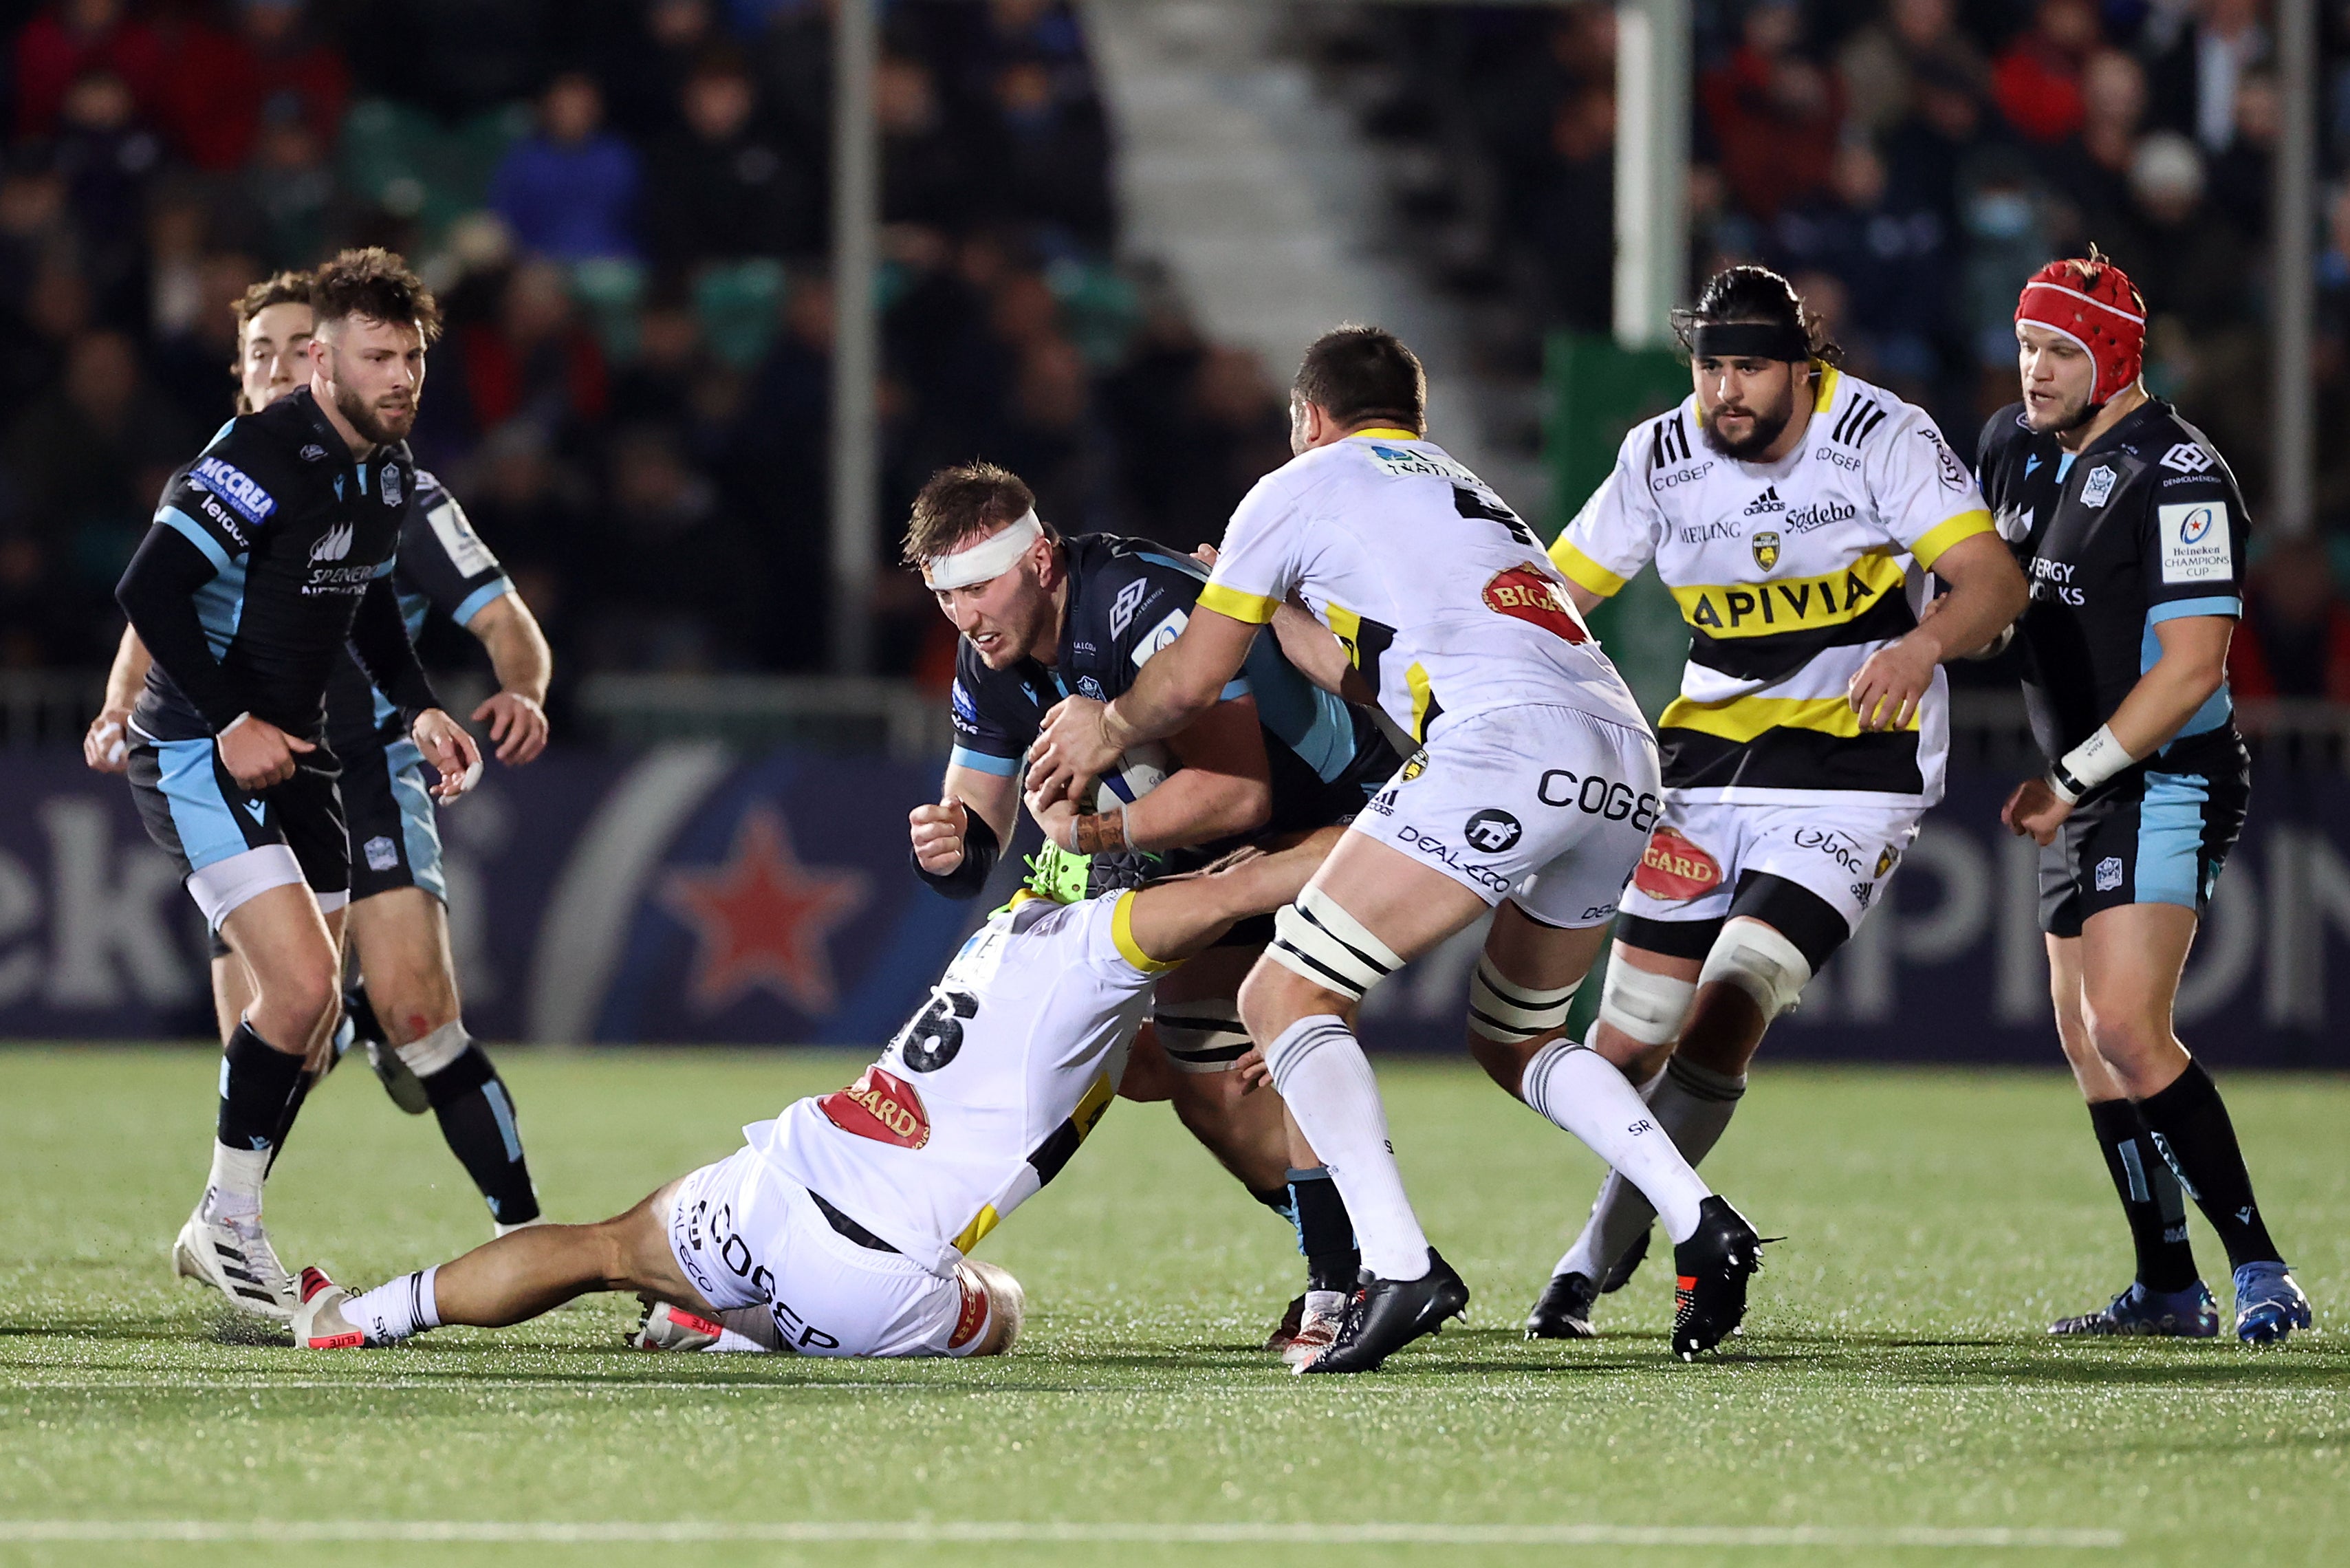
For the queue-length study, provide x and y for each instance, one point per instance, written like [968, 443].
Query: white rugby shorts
[1844, 853]
[747, 1235]
[1547, 806]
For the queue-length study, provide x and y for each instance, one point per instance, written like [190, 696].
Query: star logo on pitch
[764, 919]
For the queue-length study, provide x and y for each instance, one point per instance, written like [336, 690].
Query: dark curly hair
[376, 284]
[1756, 293]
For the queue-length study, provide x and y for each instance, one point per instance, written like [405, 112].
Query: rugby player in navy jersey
[397, 921]
[1044, 617]
[269, 564]
[2133, 533]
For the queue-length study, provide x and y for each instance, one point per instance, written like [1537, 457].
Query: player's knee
[1755, 958]
[2125, 1038]
[1325, 949]
[1008, 1307]
[1645, 1006]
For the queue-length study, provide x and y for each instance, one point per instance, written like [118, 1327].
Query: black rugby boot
[1385, 1316]
[1562, 1311]
[1711, 1269]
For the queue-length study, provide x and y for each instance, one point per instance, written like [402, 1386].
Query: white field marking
[979, 1533]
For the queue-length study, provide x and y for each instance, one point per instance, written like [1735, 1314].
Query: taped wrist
[980, 849]
[1507, 1013]
[2087, 765]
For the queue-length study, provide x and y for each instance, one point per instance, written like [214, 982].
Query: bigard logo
[1674, 869]
[881, 1107]
[1529, 593]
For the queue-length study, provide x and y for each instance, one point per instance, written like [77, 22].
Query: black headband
[1748, 340]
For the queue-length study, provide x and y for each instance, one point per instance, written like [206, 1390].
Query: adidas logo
[1767, 502]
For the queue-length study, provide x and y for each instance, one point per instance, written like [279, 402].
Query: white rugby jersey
[1790, 575]
[1441, 595]
[983, 1097]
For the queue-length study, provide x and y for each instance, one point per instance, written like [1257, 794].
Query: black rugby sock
[2156, 1208]
[1325, 1232]
[258, 1084]
[2190, 1124]
[477, 1118]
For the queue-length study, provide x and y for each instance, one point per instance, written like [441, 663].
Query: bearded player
[269, 565]
[1532, 794]
[846, 1225]
[397, 923]
[1042, 616]
[2134, 533]
[1801, 531]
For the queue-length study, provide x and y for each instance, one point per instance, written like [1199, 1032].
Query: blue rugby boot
[2268, 1303]
[2190, 1314]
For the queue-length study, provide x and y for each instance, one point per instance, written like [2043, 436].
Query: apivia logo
[2096, 487]
[236, 487]
[2187, 458]
[391, 486]
[1128, 600]
[335, 546]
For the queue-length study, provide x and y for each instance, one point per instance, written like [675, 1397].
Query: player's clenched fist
[938, 833]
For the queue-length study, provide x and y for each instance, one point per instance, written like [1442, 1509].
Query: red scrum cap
[2093, 303]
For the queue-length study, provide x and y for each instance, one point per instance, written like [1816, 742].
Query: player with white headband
[1531, 796]
[1794, 511]
[1043, 617]
[2134, 533]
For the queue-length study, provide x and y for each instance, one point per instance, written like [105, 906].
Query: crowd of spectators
[624, 206]
[1908, 162]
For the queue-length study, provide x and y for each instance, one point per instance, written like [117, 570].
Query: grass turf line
[1895, 1381]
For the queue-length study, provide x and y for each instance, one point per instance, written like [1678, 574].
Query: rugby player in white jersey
[1796, 530]
[845, 1226]
[1534, 790]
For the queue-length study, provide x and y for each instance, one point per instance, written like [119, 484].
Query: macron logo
[236, 487]
[335, 546]
[1767, 502]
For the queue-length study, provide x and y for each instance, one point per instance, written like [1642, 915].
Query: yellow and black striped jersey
[1789, 574]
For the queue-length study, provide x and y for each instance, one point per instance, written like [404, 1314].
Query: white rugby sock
[393, 1311]
[233, 1191]
[749, 1328]
[1581, 1091]
[1694, 1104]
[1321, 1071]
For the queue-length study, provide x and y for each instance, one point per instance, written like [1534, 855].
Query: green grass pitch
[1894, 1400]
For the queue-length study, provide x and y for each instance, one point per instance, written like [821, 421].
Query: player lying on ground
[845, 1226]
[1041, 617]
[268, 566]
[1797, 531]
[396, 922]
[1532, 794]
[2134, 533]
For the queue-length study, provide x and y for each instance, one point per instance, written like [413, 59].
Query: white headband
[990, 557]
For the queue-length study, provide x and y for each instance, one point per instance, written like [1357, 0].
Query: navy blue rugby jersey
[442, 564]
[1128, 599]
[296, 532]
[2144, 526]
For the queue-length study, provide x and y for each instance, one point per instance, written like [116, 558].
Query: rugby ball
[1137, 774]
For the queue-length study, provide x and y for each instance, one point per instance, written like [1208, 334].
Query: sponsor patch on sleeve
[1160, 637]
[236, 487]
[455, 532]
[2195, 546]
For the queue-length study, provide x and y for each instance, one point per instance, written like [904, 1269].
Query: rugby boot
[1710, 1269]
[233, 1255]
[662, 1326]
[1562, 1311]
[318, 1322]
[2190, 1314]
[2268, 1303]
[1619, 1274]
[1385, 1316]
[1285, 1331]
[1317, 1330]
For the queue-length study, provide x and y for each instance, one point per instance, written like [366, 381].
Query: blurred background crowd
[624, 206]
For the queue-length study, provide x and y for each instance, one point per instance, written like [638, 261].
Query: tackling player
[269, 558]
[1533, 793]
[1796, 532]
[396, 920]
[845, 1226]
[1042, 616]
[2133, 530]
